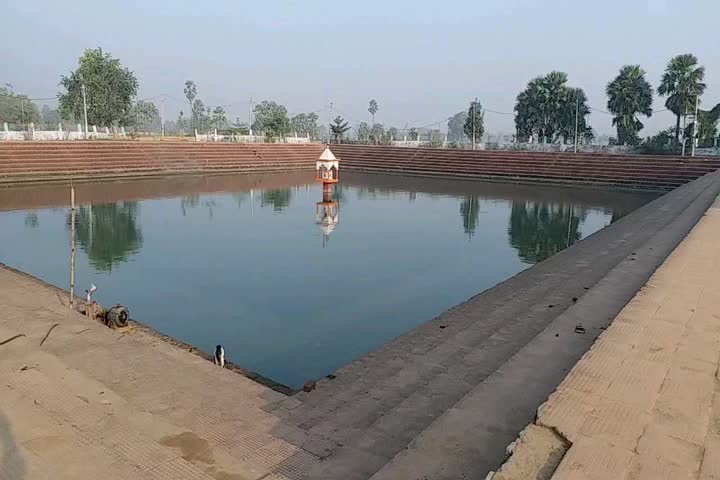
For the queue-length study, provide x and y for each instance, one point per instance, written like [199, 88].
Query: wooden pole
[72, 245]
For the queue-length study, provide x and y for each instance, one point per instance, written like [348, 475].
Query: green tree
[629, 94]
[456, 127]
[377, 133]
[16, 109]
[109, 87]
[241, 128]
[708, 131]
[219, 118]
[414, 135]
[143, 116]
[540, 230]
[373, 109]
[199, 118]
[190, 92]
[305, 124]
[392, 134]
[435, 138]
[474, 122]
[576, 106]
[546, 109]
[338, 127]
[50, 118]
[271, 118]
[108, 234]
[182, 122]
[363, 132]
[682, 83]
[660, 144]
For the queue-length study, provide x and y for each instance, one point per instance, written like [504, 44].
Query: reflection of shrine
[328, 211]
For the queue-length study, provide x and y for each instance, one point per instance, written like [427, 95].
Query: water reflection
[278, 199]
[538, 230]
[108, 233]
[470, 212]
[31, 219]
[188, 202]
[259, 280]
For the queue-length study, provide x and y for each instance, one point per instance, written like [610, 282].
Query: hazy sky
[422, 61]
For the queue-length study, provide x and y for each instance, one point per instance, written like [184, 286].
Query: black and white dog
[220, 356]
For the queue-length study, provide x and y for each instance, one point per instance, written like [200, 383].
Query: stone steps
[453, 445]
[580, 172]
[37, 160]
[624, 171]
[382, 402]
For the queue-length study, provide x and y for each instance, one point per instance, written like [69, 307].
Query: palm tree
[682, 83]
[373, 109]
[628, 95]
[190, 91]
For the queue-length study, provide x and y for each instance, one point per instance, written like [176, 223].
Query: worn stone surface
[653, 410]
[535, 455]
[91, 402]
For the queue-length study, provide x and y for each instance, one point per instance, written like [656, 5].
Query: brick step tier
[613, 181]
[625, 171]
[443, 156]
[694, 171]
[384, 150]
[54, 160]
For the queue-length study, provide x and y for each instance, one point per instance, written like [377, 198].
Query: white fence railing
[214, 137]
[54, 135]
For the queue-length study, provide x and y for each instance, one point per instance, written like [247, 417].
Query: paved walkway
[80, 401]
[644, 402]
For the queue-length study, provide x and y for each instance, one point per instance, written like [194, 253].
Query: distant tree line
[548, 110]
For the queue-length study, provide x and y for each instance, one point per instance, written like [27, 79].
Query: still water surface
[240, 260]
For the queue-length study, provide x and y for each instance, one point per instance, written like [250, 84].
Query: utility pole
[84, 94]
[474, 105]
[577, 118]
[695, 125]
[250, 117]
[162, 118]
[330, 123]
[72, 245]
[682, 152]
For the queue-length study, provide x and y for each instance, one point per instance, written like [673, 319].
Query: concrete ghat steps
[420, 152]
[702, 166]
[543, 178]
[434, 391]
[626, 171]
[478, 156]
[579, 171]
[26, 161]
[657, 170]
[525, 380]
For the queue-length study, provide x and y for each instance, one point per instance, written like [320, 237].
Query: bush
[661, 144]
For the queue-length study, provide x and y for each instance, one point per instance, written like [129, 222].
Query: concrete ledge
[642, 400]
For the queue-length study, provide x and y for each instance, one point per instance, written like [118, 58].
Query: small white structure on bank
[328, 211]
[327, 167]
